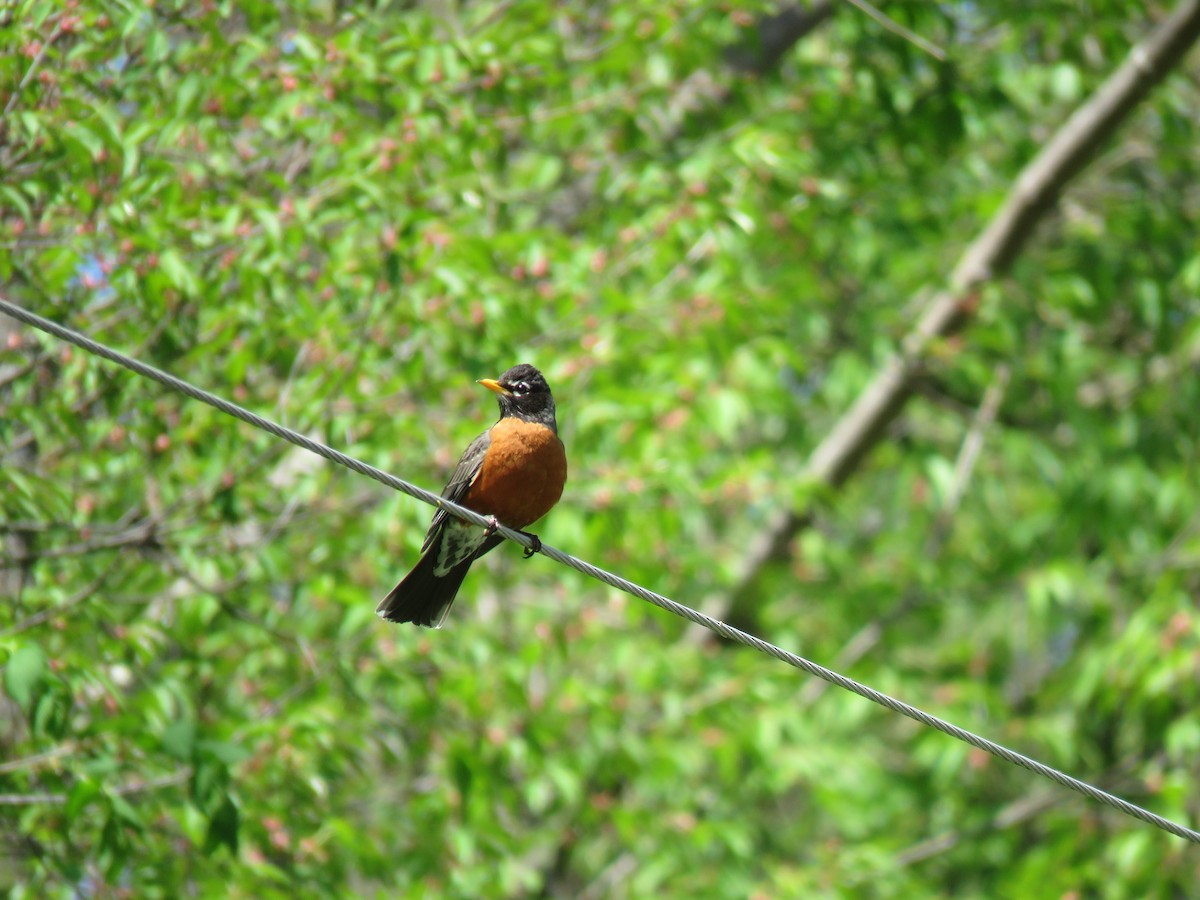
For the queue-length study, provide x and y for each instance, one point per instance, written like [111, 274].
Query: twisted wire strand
[616, 581]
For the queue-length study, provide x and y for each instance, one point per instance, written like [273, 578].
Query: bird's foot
[535, 547]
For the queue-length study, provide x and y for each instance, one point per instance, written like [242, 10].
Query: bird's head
[523, 392]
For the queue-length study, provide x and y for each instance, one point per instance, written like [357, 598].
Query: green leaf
[208, 784]
[270, 223]
[306, 46]
[185, 94]
[82, 793]
[179, 739]
[223, 751]
[124, 811]
[17, 199]
[463, 775]
[223, 828]
[25, 674]
[177, 271]
[50, 715]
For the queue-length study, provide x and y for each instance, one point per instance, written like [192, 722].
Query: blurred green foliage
[341, 214]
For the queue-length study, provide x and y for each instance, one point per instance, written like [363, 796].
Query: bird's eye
[521, 387]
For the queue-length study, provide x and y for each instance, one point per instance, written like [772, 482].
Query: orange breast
[523, 473]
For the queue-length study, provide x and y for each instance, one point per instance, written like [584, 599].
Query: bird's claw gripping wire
[536, 542]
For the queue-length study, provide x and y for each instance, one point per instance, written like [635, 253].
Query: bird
[514, 472]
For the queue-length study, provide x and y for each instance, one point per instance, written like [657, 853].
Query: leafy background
[342, 213]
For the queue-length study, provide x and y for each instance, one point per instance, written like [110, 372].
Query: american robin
[514, 472]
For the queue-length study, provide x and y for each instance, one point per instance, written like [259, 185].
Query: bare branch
[867, 637]
[968, 454]
[896, 28]
[75, 599]
[32, 70]
[775, 35]
[31, 799]
[141, 786]
[39, 759]
[1014, 814]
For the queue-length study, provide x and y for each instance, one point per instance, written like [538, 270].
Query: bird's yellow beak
[493, 385]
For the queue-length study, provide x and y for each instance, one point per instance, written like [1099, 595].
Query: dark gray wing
[469, 466]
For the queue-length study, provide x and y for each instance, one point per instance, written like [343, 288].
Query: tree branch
[1014, 814]
[896, 28]
[989, 256]
[870, 634]
[38, 58]
[775, 35]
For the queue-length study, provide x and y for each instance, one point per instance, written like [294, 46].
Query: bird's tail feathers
[423, 597]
